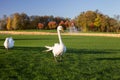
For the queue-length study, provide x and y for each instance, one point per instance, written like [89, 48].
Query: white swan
[59, 48]
[9, 43]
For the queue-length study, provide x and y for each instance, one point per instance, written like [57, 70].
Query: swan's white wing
[48, 48]
[6, 43]
[11, 42]
[58, 49]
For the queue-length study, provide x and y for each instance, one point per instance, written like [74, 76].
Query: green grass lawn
[87, 58]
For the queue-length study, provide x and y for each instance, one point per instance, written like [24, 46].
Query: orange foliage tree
[52, 25]
[67, 24]
[62, 24]
[40, 26]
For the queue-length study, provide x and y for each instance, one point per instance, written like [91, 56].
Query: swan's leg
[55, 59]
[60, 58]
[7, 49]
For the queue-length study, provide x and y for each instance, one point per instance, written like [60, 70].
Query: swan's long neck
[59, 36]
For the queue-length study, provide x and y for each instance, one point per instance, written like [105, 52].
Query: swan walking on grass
[9, 43]
[59, 48]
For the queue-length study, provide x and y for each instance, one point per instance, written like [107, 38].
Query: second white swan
[9, 43]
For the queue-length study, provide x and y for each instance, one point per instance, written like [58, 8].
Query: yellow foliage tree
[97, 21]
[9, 21]
[15, 23]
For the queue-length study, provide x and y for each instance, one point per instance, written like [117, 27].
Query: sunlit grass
[87, 58]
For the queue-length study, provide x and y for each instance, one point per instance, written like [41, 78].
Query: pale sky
[62, 8]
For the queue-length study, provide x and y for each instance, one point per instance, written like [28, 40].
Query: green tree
[3, 22]
[117, 18]
[24, 21]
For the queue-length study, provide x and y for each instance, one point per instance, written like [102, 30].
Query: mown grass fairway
[87, 58]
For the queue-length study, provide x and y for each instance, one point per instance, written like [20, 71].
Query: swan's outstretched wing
[49, 48]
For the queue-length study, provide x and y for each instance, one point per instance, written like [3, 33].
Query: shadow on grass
[39, 49]
[33, 39]
[2, 39]
[69, 50]
[16, 39]
[2, 47]
[107, 59]
[16, 48]
[92, 51]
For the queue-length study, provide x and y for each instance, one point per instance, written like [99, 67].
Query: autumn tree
[96, 21]
[62, 24]
[112, 25]
[40, 25]
[16, 21]
[81, 22]
[9, 24]
[52, 25]
[86, 21]
[104, 23]
[67, 24]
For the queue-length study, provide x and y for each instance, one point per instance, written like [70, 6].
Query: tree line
[96, 21]
[85, 21]
[22, 21]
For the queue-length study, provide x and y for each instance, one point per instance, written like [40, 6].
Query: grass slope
[87, 58]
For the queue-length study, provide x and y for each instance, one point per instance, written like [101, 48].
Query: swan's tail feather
[48, 48]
